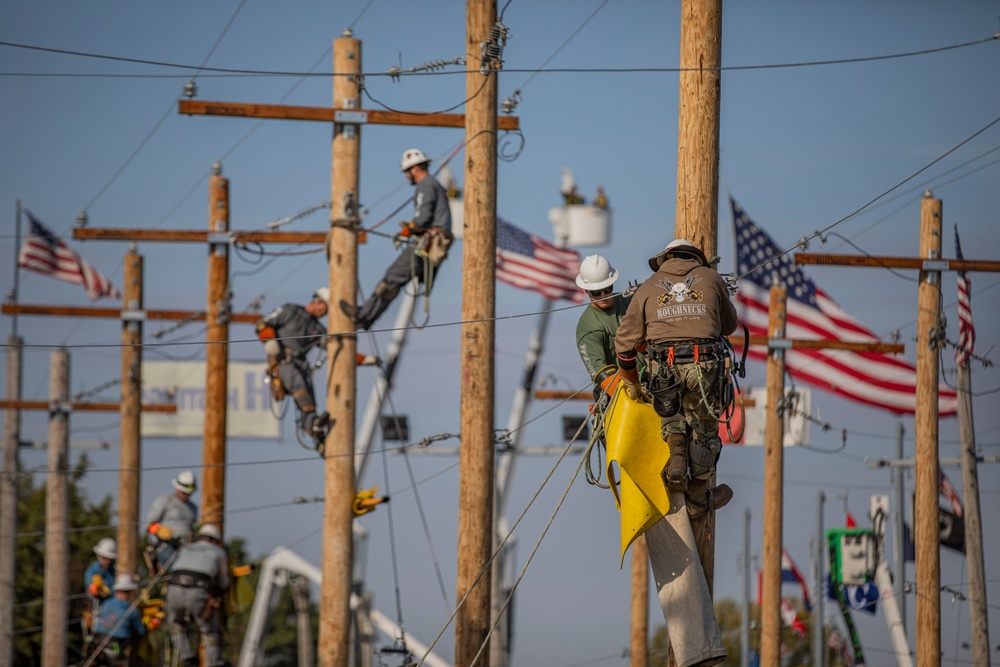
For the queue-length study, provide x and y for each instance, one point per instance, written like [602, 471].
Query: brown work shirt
[684, 300]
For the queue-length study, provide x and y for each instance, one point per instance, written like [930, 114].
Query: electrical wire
[583, 70]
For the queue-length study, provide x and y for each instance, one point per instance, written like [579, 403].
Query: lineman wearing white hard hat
[198, 578]
[681, 313]
[288, 333]
[171, 517]
[430, 229]
[119, 624]
[595, 331]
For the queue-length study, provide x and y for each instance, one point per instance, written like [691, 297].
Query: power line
[564, 70]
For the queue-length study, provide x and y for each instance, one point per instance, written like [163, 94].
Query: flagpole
[17, 265]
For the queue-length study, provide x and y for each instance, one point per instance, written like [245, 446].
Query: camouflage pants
[695, 410]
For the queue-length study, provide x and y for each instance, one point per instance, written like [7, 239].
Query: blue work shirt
[109, 620]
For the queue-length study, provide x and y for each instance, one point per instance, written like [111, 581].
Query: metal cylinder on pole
[477, 449]
[55, 617]
[819, 582]
[8, 501]
[640, 604]
[213, 495]
[341, 389]
[130, 409]
[925, 510]
[774, 462]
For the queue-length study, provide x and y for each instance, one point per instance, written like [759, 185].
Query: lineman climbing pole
[929, 340]
[348, 117]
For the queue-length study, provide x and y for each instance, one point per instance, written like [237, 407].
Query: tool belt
[668, 353]
[189, 579]
[434, 244]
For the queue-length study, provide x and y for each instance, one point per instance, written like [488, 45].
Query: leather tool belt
[188, 579]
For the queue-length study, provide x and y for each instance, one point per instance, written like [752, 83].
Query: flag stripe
[966, 332]
[529, 262]
[46, 254]
[874, 379]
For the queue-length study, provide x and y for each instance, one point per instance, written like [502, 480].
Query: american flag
[530, 262]
[949, 492]
[44, 253]
[878, 380]
[966, 332]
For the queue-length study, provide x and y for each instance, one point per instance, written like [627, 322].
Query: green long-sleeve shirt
[595, 335]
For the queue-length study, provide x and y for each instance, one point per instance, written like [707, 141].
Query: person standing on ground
[288, 333]
[431, 230]
[198, 579]
[681, 313]
[119, 624]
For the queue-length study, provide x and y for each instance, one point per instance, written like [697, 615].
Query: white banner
[796, 424]
[249, 400]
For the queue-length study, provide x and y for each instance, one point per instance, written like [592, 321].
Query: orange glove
[153, 528]
[153, 624]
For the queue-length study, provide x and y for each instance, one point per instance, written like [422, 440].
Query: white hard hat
[125, 582]
[210, 530]
[185, 482]
[323, 294]
[596, 273]
[107, 548]
[411, 158]
[677, 244]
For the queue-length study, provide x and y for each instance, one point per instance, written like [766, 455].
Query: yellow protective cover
[632, 431]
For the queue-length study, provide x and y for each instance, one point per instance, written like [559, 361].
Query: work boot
[700, 500]
[677, 465]
[350, 310]
[318, 431]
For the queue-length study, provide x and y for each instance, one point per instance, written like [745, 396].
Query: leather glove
[164, 533]
[630, 376]
[272, 348]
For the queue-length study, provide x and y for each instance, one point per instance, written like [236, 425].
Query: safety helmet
[125, 582]
[107, 548]
[596, 273]
[185, 482]
[411, 158]
[680, 245]
[210, 530]
[323, 294]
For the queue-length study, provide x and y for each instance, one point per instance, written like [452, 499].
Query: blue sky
[801, 147]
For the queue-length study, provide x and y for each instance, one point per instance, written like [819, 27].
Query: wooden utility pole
[338, 544]
[130, 456]
[8, 501]
[696, 216]
[978, 618]
[213, 485]
[475, 511]
[55, 617]
[774, 462]
[925, 510]
[638, 646]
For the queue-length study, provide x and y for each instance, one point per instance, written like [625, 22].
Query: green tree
[89, 522]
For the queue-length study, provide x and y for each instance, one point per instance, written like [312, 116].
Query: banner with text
[248, 405]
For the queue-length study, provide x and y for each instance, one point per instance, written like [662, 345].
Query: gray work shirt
[430, 205]
[204, 557]
[176, 514]
[291, 321]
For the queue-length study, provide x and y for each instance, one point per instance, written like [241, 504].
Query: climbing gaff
[632, 430]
